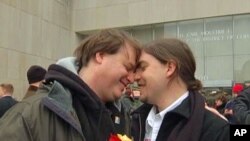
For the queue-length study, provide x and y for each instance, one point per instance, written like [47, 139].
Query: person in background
[213, 110]
[6, 100]
[220, 103]
[70, 105]
[130, 99]
[175, 110]
[121, 109]
[35, 76]
[241, 108]
[247, 83]
[228, 110]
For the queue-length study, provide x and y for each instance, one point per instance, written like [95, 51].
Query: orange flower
[119, 137]
[124, 137]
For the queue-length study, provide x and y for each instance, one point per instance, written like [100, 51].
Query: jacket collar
[192, 109]
[59, 101]
[75, 84]
[181, 110]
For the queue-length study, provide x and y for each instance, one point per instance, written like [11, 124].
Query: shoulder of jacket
[31, 104]
[214, 128]
[212, 120]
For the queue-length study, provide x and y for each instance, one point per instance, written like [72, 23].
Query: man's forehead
[130, 54]
[143, 58]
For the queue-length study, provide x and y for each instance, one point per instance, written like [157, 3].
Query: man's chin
[145, 100]
[115, 97]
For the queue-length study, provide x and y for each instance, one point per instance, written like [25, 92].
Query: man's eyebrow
[140, 63]
[131, 65]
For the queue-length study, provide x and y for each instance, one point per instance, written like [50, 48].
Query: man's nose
[131, 77]
[137, 76]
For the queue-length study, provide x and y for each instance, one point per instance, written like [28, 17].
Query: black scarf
[192, 129]
[94, 118]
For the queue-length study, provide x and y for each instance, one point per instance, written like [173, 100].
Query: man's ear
[171, 68]
[99, 57]
[4, 91]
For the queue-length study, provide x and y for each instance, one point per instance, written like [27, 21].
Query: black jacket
[5, 104]
[189, 121]
[241, 107]
[121, 118]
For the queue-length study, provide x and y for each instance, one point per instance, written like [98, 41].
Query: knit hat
[237, 88]
[35, 74]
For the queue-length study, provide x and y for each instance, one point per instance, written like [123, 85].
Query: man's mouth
[124, 84]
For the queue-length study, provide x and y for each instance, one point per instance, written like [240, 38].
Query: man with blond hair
[6, 100]
[70, 104]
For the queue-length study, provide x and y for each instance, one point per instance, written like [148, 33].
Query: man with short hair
[70, 105]
[6, 100]
[35, 76]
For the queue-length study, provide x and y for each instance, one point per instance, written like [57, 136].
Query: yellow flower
[123, 137]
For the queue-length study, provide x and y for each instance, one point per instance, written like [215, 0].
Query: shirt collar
[174, 104]
[184, 108]
[153, 112]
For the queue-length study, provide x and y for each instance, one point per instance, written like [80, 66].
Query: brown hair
[166, 50]
[222, 98]
[7, 87]
[107, 41]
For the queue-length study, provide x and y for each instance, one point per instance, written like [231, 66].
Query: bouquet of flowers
[119, 137]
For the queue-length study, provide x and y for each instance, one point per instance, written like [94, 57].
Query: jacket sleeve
[241, 107]
[14, 127]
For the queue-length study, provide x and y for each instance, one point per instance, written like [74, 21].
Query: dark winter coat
[121, 118]
[5, 104]
[190, 121]
[241, 109]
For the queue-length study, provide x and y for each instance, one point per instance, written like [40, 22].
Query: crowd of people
[88, 97]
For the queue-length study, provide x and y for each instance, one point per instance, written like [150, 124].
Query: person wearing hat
[35, 76]
[237, 88]
[241, 107]
[228, 110]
